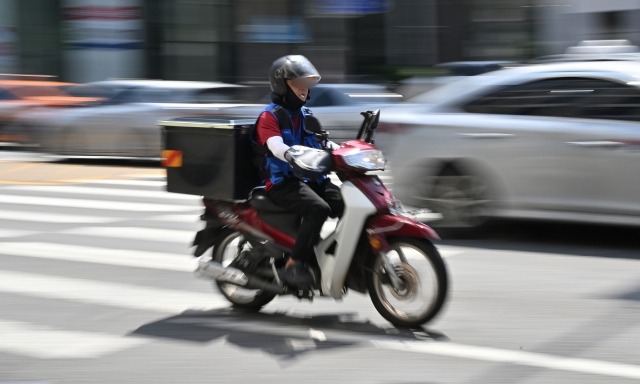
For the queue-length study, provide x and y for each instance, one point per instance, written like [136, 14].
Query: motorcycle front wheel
[228, 247]
[424, 276]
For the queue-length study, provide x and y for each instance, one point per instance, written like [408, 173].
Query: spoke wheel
[225, 252]
[420, 268]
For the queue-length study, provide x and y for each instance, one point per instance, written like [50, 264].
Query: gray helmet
[291, 67]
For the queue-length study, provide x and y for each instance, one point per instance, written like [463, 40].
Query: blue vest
[278, 169]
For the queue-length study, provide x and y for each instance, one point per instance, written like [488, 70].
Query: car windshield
[89, 91]
[449, 91]
[328, 97]
[218, 95]
[4, 95]
[149, 95]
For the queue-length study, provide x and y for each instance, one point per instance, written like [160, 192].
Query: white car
[554, 141]
[125, 124]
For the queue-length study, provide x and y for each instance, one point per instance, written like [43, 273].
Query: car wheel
[462, 198]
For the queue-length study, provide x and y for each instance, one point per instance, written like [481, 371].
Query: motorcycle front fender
[381, 227]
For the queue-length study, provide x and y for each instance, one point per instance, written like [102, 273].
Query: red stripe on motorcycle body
[247, 216]
[393, 225]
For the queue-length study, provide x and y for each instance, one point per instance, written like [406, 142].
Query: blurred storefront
[37, 25]
[102, 39]
[237, 40]
[563, 23]
[190, 39]
[500, 30]
[8, 37]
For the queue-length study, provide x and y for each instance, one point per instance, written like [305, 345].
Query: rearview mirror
[312, 124]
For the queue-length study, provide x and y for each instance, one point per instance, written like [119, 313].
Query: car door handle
[597, 144]
[487, 135]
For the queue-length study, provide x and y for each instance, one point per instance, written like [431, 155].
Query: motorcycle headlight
[395, 206]
[370, 160]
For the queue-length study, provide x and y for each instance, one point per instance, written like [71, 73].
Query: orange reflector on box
[171, 159]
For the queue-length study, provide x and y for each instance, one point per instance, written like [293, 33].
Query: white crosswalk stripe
[14, 233]
[85, 254]
[88, 247]
[108, 294]
[103, 192]
[137, 183]
[53, 218]
[191, 218]
[93, 204]
[48, 343]
[137, 233]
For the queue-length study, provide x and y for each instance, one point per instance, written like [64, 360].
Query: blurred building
[563, 23]
[8, 36]
[500, 30]
[237, 40]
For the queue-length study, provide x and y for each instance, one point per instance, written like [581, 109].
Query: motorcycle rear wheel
[419, 265]
[225, 250]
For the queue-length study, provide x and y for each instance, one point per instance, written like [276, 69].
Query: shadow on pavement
[281, 335]
[550, 237]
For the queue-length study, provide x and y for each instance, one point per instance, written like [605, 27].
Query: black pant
[314, 203]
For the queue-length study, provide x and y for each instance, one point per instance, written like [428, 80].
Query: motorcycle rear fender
[380, 227]
[207, 237]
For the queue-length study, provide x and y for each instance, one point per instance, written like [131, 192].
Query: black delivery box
[209, 156]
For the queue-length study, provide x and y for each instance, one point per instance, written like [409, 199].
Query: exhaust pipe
[213, 270]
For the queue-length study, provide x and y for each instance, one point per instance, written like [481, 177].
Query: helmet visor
[305, 82]
[299, 67]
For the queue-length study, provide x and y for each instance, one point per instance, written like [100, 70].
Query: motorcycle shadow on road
[283, 335]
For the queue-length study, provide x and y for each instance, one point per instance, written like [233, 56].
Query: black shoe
[296, 274]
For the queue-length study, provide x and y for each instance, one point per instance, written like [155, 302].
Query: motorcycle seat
[260, 201]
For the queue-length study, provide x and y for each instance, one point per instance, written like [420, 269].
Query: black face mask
[290, 100]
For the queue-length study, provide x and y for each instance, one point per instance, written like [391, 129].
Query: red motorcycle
[376, 247]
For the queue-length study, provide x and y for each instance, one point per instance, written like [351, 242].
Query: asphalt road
[96, 287]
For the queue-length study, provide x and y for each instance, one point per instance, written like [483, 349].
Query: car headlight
[370, 160]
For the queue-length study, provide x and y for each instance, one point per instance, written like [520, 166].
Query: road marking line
[14, 233]
[94, 204]
[540, 360]
[118, 257]
[140, 183]
[137, 233]
[108, 294]
[149, 176]
[192, 218]
[47, 343]
[55, 218]
[74, 189]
